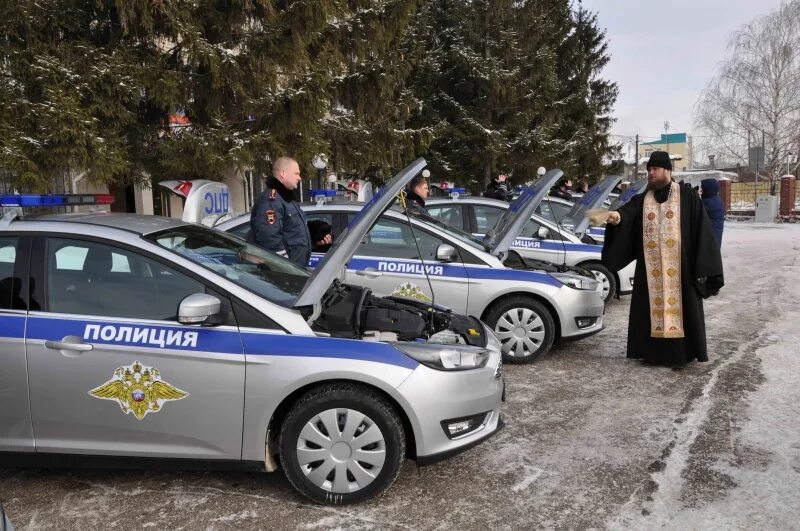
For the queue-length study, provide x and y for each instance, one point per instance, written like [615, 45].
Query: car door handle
[370, 272]
[70, 344]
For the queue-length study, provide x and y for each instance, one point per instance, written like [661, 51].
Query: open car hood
[502, 235]
[633, 190]
[594, 198]
[332, 265]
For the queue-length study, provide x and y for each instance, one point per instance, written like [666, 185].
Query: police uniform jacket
[279, 224]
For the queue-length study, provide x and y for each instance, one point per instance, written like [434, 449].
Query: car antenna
[402, 196]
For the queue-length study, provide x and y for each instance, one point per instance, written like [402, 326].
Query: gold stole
[662, 259]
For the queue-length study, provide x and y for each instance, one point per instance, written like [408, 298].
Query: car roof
[135, 223]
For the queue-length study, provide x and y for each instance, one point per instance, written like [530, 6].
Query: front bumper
[433, 396]
[577, 305]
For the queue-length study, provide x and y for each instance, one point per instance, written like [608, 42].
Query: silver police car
[539, 239]
[145, 337]
[528, 307]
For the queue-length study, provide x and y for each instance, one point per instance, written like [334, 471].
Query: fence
[743, 195]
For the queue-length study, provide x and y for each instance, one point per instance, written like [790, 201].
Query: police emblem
[270, 215]
[138, 390]
[411, 291]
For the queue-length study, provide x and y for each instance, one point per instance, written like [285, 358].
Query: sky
[664, 53]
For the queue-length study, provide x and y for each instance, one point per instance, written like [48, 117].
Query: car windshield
[462, 236]
[271, 276]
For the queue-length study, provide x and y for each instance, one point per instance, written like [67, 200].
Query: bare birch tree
[755, 94]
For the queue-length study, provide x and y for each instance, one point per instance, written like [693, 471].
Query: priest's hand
[613, 218]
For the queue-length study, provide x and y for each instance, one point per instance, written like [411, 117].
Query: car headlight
[576, 281]
[445, 357]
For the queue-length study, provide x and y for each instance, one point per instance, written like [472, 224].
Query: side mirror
[446, 253]
[543, 233]
[197, 308]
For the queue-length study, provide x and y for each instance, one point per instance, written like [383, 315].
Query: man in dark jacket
[563, 190]
[713, 205]
[278, 224]
[416, 194]
[499, 188]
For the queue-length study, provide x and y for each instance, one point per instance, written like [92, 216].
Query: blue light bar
[53, 200]
[32, 200]
[322, 193]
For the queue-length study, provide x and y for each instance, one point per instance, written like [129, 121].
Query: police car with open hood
[424, 259]
[599, 196]
[538, 239]
[146, 337]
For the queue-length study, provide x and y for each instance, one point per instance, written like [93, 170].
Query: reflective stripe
[203, 339]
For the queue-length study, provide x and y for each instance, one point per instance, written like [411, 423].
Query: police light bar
[322, 195]
[455, 192]
[53, 200]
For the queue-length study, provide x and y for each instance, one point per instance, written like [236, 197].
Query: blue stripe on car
[209, 340]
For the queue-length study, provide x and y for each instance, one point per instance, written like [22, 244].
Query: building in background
[678, 145]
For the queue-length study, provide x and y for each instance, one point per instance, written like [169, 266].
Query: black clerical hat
[659, 159]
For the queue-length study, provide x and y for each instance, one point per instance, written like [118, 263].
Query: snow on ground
[593, 440]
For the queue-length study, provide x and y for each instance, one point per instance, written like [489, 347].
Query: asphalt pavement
[593, 440]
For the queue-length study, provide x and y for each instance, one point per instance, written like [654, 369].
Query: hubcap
[521, 331]
[341, 450]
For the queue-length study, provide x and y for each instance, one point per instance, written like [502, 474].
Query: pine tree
[587, 99]
[94, 86]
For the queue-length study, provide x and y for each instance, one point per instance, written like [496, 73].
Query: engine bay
[353, 312]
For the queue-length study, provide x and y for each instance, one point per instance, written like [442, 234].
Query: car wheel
[342, 443]
[524, 327]
[606, 279]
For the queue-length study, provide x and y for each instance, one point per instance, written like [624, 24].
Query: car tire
[330, 422]
[606, 278]
[514, 316]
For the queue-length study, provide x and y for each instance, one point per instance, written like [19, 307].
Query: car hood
[333, 264]
[500, 237]
[634, 189]
[594, 198]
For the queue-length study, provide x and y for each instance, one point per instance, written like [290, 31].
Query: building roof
[672, 138]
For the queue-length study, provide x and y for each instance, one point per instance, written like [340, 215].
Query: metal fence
[744, 195]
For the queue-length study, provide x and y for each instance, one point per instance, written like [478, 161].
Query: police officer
[417, 192]
[278, 224]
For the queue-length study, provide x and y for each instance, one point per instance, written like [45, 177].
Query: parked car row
[201, 347]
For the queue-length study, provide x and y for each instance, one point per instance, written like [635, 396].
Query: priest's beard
[659, 184]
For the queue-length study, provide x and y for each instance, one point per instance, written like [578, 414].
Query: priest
[678, 264]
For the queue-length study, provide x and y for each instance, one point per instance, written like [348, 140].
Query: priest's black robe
[701, 277]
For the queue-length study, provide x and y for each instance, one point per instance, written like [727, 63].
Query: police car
[538, 239]
[145, 337]
[599, 196]
[426, 260]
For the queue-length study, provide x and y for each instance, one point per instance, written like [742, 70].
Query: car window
[487, 217]
[92, 278]
[10, 286]
[450, 214]
[531, 230]
[392, 239]
[268, 275]
[243, 231]
[553, 211]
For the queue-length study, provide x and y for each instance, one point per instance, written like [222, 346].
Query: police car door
[111, 370]
[16, 434]
[388, 261]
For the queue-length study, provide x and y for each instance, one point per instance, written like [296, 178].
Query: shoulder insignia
[138, 390]
[270, 216]
[273, 193]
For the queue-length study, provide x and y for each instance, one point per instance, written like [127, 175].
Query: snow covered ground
[593, 440]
